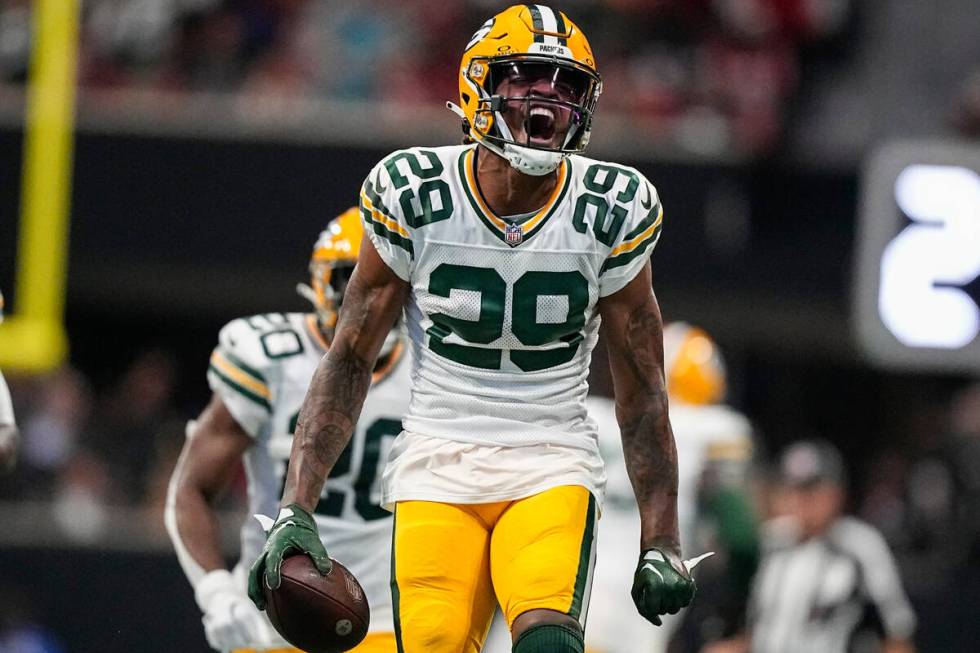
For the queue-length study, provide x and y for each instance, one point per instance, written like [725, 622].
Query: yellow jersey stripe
[382, 219]
[633, 243]
[240, 377]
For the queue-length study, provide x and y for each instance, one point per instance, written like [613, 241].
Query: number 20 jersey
[261, 369]
[502, 318]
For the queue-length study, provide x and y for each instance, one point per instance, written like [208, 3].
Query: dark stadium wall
[109, 601]
[197, 228]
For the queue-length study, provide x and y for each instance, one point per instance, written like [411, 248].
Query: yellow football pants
[451, 561]
[373, 643]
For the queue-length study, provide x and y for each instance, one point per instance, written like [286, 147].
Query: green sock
[549, 638]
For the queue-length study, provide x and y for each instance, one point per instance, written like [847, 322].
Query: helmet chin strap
[529, 161]
[536, 163]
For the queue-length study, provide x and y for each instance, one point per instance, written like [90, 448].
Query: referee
[827, 583]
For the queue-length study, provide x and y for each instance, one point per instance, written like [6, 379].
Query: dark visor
[571, 84]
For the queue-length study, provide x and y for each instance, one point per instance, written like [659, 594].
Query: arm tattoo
[326, 423]
[332, 404]
[648, 442]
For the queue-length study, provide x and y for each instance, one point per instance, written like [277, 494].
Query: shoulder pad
[632, 217]
[241, 359]
[396, 200]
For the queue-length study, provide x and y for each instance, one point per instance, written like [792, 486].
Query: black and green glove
[294, 531]
[661, 585]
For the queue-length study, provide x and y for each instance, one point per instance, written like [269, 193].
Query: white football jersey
[704, 435]
[261, 369]
[502, 318]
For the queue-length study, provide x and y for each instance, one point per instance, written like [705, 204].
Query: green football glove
[295, 531]
[661, 585]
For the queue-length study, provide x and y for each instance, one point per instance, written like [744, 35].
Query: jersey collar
[513, 235]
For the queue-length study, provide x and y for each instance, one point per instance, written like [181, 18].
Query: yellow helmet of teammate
[334, 257]
[693, 365]
[528, 42]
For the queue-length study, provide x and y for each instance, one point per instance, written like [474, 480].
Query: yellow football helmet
[526, 41]
[334, 257]
[693, 365]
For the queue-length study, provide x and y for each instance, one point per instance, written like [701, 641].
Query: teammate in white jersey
[259, 373]
[505, 254]
[714, 447]
[9, 435]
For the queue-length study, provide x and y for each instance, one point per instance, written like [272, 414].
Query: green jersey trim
[240, 389]
[377, 216]
[584, 561]
[497, 225]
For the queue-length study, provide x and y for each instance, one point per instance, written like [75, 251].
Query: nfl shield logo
[514, 234]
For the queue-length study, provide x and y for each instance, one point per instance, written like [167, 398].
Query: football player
[9, 435]
[714, 449]
[259, 373]
[505, 254]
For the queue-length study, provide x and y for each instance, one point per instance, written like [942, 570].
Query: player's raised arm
[633, 331]
[373, 301]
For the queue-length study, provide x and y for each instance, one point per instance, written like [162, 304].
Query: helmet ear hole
[466, 98]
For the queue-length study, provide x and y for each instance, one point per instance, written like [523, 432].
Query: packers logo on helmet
[528, 87]
[693, 365]
[333, 261]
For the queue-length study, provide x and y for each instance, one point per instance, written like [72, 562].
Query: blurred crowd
[86, 453]
[722, 69]
[923, 494]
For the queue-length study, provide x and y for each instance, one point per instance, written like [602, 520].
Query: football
[318, 614]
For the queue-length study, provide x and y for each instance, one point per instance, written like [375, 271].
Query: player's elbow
[184, 495]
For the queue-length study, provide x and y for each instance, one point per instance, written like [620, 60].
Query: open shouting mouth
[541, 125]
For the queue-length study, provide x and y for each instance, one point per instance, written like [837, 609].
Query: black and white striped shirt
[811, 596]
